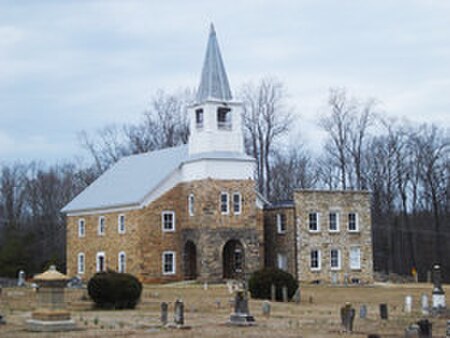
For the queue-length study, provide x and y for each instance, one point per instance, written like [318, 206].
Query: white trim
[338, 226]
[240, 203]
[99, 227]
[124, 262]
[81, 233]
[119, 230]
[358, 250]
[356, 222]
[224, 193]
[83, 265]
[317, 222]
[191, 205]
[97, 265]
[174, 263]
[113, 209]
[279, 223]
[168, 212]
[338, 267]
[319, 260]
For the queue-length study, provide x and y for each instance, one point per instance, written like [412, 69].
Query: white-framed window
[282, 262]
[314, 262]
[199, 118]
[168, 263]
[335, 259]
[100, 262]
[353, 225]
[191, 205]
[355, 258]
[168, 221]
[122, 262]
[333, 221]
[80, 263]
[81, 227]
[101, 225]
[237, 203]
[281, 223]
[313, 222]
[224, 203]
[121, 224]
[224, 118]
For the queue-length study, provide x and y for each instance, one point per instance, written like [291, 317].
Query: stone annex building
[192, 212]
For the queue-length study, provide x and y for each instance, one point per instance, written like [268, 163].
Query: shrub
[260, 283]
[113, 290]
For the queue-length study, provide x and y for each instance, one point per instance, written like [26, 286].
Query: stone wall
[342, 202]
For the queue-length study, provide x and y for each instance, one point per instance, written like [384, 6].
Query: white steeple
[215, 119]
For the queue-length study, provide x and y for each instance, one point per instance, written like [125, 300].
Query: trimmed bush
[113, 290]
[260, 283]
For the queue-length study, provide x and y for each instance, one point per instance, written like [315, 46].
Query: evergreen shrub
[260, 283]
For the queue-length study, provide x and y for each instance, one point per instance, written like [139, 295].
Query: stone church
[192, 211]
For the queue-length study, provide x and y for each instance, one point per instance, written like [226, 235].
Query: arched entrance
[233, 259]
[190, 261]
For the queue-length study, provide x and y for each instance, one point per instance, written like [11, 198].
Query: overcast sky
[68, 66]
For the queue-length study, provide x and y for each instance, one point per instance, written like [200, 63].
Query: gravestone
[266, 307]
[363, 312]
[179, 313]
[164, 313]
[273, 292]
[384, 311]
[424, 304]
[347, 317]
[241, 315]
[296, 297]
[408, 304]
[284, 293]
[438, 295]
[2, 320]
[334, 278]
[412, 331]
[447, 334]
[425, 328]
[21, 278]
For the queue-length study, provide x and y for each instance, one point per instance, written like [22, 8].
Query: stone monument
[21, 278]
[347, 317]
[241, 315]
[438, 295]
[51, 314]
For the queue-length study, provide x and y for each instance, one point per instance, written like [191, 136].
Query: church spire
[214, 82]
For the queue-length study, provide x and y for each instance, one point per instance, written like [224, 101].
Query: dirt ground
[207, 312]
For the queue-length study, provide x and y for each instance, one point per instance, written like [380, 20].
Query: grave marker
[241, 315]
[266, 307]
[425, 328]
[447, 334]
[296, 297]
[412, 331]
[21, 278]
[424, 304]
[438, 295]
[179, 313]
[347, 317]
[164, 313]
[363, 312]
[408, 304]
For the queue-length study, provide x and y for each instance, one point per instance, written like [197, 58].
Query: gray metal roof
[214, 82]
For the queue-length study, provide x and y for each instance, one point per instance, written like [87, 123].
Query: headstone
[241, 315]
[273, 292]
[412, 331]
[424, 304]
[266, 307]
[179, 313]
[425, 328]
[347, 317]
[2, 320]
[164, 313]
[297, 297]
[205, 286]
[408, 304]
[21, 278]
[438, 295]
[284, 292]
[363, 312]
[334, 278]
[447, 334]
[384, 311]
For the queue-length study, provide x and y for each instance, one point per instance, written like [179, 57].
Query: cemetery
[192, 309]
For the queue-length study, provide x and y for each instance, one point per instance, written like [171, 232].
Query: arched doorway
[233, 259]
[190, 261]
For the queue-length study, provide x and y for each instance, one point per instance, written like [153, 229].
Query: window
[224, 203]
[281, 223]
[282, 261]
[315, 260]
[168, 221]
[199, 118]
[80, 263]
[191, 201]
[168, 263]
[121, 262]
[353, 222]
[355, 258]
[333, 219]
[224, 118]
[335, 259]
[100, 262]
[101, 225]
[237, 203]
[314, 222]
[81, 228]
[121, 224]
